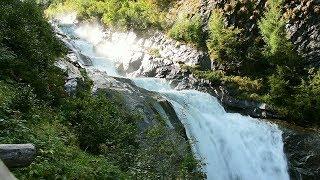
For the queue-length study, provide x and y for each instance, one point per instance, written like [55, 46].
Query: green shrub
[279, 87]
[283, 89]
[103, 128]
[306, 105]
[279, 50]
[162, 156]
[124, 14]
[225, 43]
[162, 4]
[29, 49]
[188, 30]
[244, 83]
[154, 52]
[215, 77]
[58, 154]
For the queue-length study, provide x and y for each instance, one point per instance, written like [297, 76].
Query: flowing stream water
[232, 146]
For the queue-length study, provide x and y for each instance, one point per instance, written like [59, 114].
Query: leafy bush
[29, 49]
[170, 160]
[215, 77]
[103, 128]
[306, 106]
[58, 153]
[279, 50]
[154, 52]
[225, 43]
[280, 87]
[243, 83]
[125, 14]
[188, 30]
[238, 86]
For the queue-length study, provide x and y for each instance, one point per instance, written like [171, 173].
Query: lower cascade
[231, 146]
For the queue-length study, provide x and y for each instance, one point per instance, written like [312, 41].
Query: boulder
[134, 63]
[17, 155]
[302, 148]
[149, 104]
[74, 74]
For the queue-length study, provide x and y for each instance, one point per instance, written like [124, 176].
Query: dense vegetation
[263, 67]
[124, 14]
[188, 30]
[270, 71]
[78, 136]
[85, 136]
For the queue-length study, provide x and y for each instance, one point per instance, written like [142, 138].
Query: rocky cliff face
[169, 56]
[160, 56]
[303, 21]
[302, 147]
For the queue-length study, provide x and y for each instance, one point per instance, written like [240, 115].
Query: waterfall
[232, 146]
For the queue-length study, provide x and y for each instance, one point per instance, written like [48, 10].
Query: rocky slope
[303, 21]
[160, 56]
[154, 110]
[301, 145]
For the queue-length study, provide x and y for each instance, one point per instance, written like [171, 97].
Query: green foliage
[295, 98]
[290, 90]
[215, 77]
[188, 30]
[162, 4]
[307, 100]
[154, 52]
[170, 160]
[124, 14]
[228, 47]
[279, 50]
[58, 152]
[280, 86]
[104, 128]
[243, 83]
[241, 87]
[29, 49]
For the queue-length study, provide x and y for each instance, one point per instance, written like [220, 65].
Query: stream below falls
[232, 146]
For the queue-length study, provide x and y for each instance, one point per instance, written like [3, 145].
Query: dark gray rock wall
[302, 147]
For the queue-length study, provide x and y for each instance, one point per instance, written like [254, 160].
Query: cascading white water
[233, 146]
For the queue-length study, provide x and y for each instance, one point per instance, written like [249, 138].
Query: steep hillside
[264, 51]
[80, 130]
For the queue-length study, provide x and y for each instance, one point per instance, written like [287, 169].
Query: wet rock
[134, 63]
[17, 155]
[73, 73]
[149, 104]
[302, 148]
[159, 51]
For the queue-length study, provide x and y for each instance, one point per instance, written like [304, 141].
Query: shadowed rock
[17, 155]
